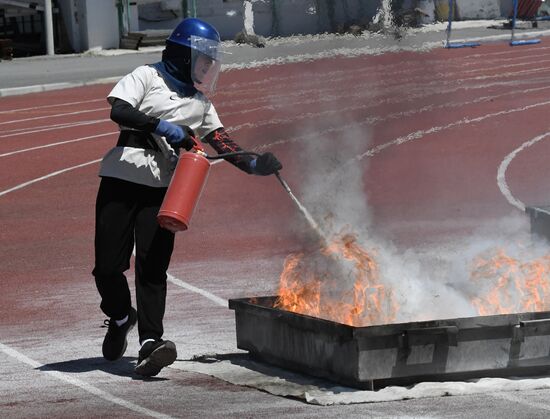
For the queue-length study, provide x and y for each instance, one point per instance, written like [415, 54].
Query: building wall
[69, 11]
[277, 18]
[225, 15]
[90, 23]
[94, 23]
[506, 7]
[479, 9]
[290, 17]
[101, 24]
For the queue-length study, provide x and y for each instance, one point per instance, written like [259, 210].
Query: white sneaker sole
[161, 357]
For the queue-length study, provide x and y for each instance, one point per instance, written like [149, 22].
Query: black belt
[137, 139]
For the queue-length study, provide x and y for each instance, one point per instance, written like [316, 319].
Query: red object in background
[183, 192]
[527, 9]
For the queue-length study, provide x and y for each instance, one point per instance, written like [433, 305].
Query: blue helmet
[194, 49]
[192, 27]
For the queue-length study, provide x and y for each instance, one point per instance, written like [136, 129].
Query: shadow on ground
[123, 367]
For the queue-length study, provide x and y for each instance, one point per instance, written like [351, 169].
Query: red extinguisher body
[183, 192]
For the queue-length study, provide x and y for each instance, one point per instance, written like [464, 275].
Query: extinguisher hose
[233, 154]
[250, 153]
[312, 223]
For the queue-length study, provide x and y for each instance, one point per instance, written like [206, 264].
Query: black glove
[189, 140]
[266, 164]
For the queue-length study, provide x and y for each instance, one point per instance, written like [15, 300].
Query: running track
[446, 142]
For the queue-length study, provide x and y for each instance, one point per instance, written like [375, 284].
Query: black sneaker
[154, 356]
[115, 341]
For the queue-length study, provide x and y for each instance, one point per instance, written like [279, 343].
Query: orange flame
[507, 285]
[309, 285]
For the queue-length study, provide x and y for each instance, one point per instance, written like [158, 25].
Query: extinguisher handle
[198, 146]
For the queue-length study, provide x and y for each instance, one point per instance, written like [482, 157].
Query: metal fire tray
[394, 354]
[540, 220]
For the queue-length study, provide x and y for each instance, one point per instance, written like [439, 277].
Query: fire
[339, 282]
[508, 285]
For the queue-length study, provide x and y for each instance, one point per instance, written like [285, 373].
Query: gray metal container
[540, 220]
[375, 356]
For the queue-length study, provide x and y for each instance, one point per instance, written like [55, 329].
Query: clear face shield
[205, 63]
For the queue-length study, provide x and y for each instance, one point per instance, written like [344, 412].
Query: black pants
[126, 211]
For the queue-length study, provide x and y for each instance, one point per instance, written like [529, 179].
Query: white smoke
[333, 189]
[429, 282]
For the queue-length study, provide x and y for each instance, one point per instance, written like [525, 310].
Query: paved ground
[429, 131]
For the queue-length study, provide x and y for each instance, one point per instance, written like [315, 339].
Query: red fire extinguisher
[187, 184]
[184, 190]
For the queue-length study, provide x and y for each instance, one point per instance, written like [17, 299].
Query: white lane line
[81, 384]
[59, 126]
[501, 173]
[55, 127]
[416, 135]
[32, 108]
[411, 84]
[379, 100]
[57, 143]
[59, 172]
[34, 118]
[374, 150]
[30, 182]
[377, 71]
[375, 99]
[182, 284]
[506, 66]
[421, 133]
[24, 130]
[406, 67]
[381, 70]
[510, 51]
[436, 78]
[373, 120]
[424, 92]
[192, 288]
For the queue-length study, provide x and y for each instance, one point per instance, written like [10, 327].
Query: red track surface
[440, 183]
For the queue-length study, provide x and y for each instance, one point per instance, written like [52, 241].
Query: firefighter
[160, 109]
